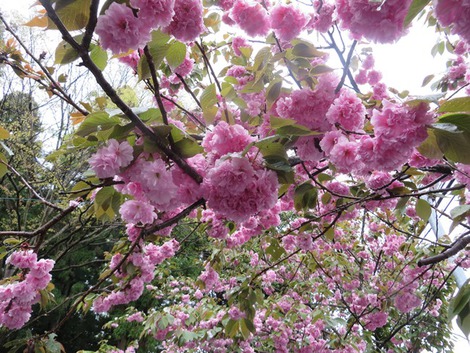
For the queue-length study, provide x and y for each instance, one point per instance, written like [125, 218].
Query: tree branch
[112, 94]
[44, 228]
[452, 250]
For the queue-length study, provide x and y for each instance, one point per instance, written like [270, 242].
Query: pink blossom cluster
[19, 295]
[456, 14]
[187, 23]
[287, 21]
[367, 74]
[309, 107]
[251, 17]
[152, 188]
[108, 161]
[347, 110]
[132, 288]
[236, 188]
[121, 30]
[226, 139]
[183, 70]
[398, 129]
[323, 19]
[378, 21]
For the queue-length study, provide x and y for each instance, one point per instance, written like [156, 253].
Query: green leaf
[187, 147]
[461, 120]
[429, 148]
[461, 104]
[80, 189]
[213, 21]
[228, 92]
[415, 8]
[320, 69]
[158, 48]
[305, 196]
[275, 250]
[106, 204]
[463, 320]
[306, 50]
[277, 122]
[208, 97]
[12, 241]
[262, 58]
[426, 80]
[65, 54]
[99, 56]
[74, 14]
[453, 142]
[97, 121]
[3, 170]
[461, 300]
[272, 148]
[423, 209]
[231, 328]
[52, 346]
[277, 163]
[459, 212]
[295, 130]
[176, 54]
[4, 134]
[273, 92]
[244, 328]
[209, 114]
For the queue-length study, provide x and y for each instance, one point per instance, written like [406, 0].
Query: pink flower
[252, 18]
[376, 320]
[119, 30]
[225, 4]
[210, 278]
[308, 149]
[235, 190]
[379, 21]
[22, 259]
[107, 161]
[186, 67]
[343, 155]
[378, 180]
[17, 298]
[454, 13]
[137, 212]
[131, 60]
[237, 43]
[324, 18]
[235, 313]
[157, 13]
[309, 107]
[287, 21]
[406, 302]
[137, 317]
[226, 138]
[187, 23]
[347, 110]
[331, 139]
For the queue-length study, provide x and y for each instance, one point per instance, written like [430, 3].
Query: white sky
[404, 65]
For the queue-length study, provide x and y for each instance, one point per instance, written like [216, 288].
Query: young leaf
[176, 54]
[208, 97]
[461, 104]
[99, 57]
[415, 8]
[423, 209]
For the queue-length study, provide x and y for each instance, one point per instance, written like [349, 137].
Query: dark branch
[453, 249]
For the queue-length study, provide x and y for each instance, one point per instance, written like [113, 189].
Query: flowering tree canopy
[271, 154]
